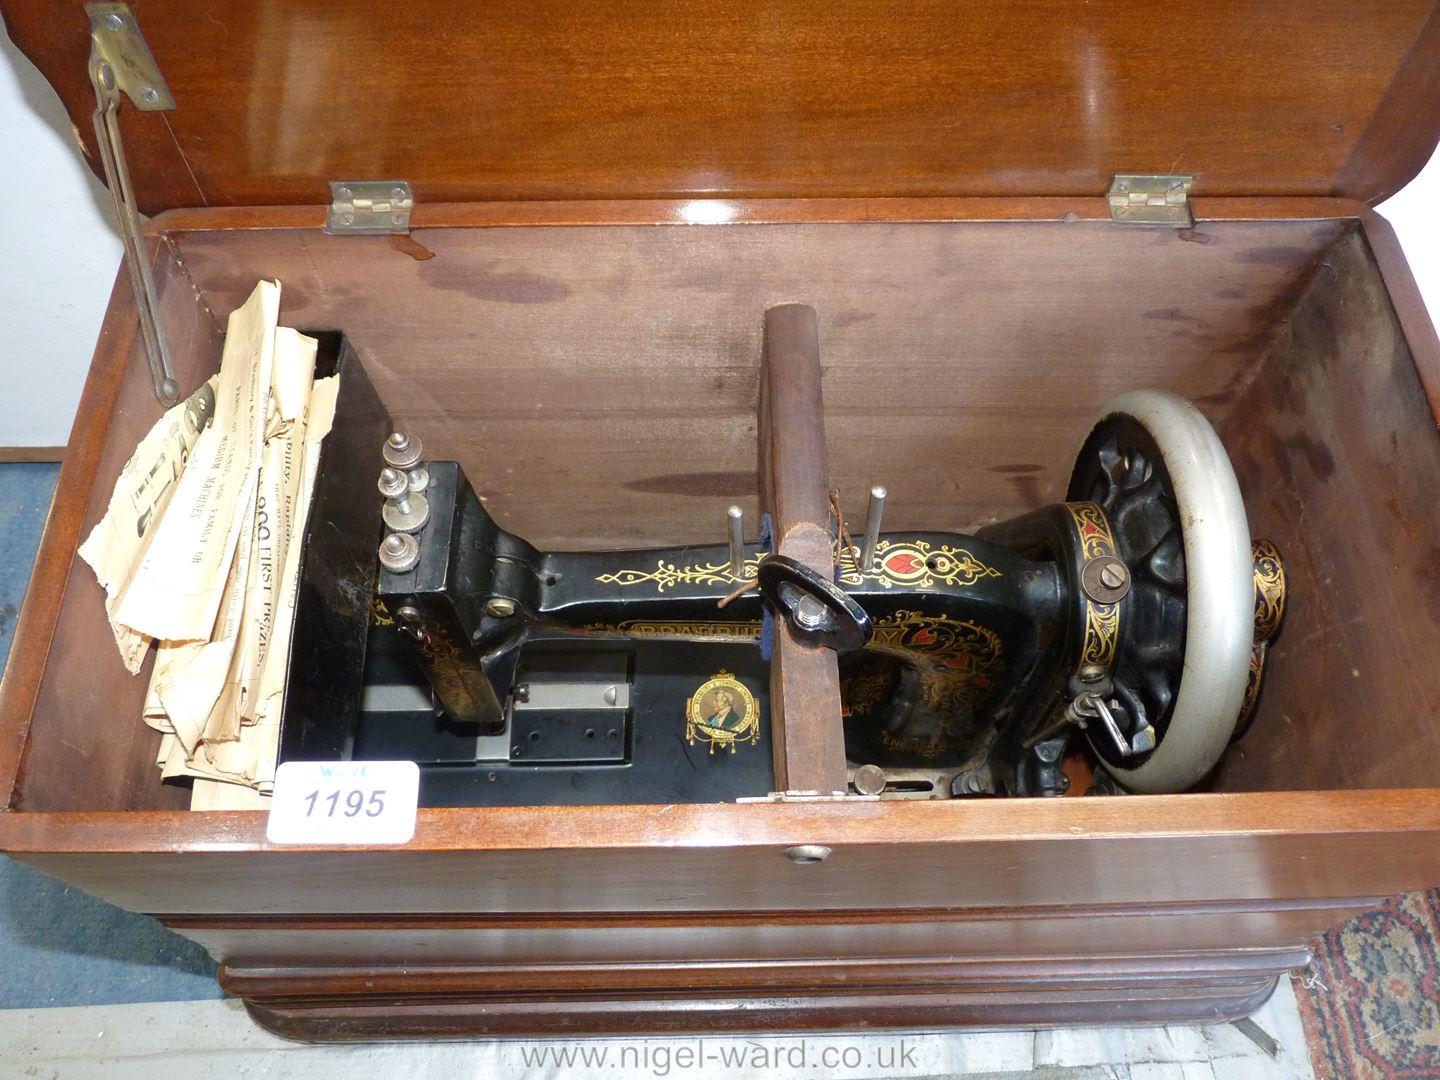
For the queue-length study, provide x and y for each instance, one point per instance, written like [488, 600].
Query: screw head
[501, 607]
[402, 451]
[869, 780]
[150, 95]
[393, 483]
[1105, 579]
[408, 613]
[399, 553]
[115, 23]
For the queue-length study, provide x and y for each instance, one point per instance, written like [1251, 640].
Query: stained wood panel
[547, 100]
[91, 747]
[613, 372]
[1007, 853]
[1334, 442]
[718, 937]
[395, 1003]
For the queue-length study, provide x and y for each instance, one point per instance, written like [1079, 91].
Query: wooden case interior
[598, 384]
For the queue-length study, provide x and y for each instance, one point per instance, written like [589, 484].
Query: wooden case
[607, 199]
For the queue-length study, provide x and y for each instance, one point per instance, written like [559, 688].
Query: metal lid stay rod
[121, 63]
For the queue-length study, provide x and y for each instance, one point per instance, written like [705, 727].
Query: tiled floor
[89, 990]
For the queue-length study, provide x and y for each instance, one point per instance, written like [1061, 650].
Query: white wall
[1415, 213]
[59, 258]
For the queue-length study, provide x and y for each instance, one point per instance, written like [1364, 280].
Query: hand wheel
[1157, 468]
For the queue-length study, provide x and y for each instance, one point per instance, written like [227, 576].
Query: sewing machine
[1136, 613]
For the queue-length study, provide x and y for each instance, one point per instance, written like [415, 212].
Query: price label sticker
[344, 802]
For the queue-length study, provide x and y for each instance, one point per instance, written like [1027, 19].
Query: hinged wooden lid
[581, 99]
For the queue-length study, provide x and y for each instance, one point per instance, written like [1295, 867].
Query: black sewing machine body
[516, 676]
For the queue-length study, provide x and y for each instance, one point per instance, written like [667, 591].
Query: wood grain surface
[555, 100]
[391, 1003]
[952, 854]
[963, 414]
[593, 938]
[85, 749]
[808, 739]
[1335, 446]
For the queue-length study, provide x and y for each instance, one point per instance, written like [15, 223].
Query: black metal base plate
[648, 760]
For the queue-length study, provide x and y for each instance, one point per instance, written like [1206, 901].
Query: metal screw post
[402, 451]
[736, 518]
[399, 553]
[405, 510]
[872, 528]
[396, 488]
[811, 614]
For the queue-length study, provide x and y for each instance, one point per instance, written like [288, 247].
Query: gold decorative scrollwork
[668, 575]
[1094, 529]
[917, 563]
[864, 690]
[959, 660]
[688, 631]
[1102, 621]
[1270, 593]
[1269, 589]
[1252, 687]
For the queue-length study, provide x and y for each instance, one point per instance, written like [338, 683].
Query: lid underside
[574, 100]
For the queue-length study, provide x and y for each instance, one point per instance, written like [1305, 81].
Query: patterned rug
[1371, 1001]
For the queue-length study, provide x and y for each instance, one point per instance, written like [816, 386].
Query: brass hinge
[369, 206]
[1151, 200]
[121, 63]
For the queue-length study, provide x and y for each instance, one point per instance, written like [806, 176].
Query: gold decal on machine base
[722, 713]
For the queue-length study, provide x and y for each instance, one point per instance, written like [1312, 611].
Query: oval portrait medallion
[722, 713]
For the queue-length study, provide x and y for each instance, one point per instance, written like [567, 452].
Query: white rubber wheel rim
[1219, 586]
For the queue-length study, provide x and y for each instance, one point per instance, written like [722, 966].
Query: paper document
[200, 548]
